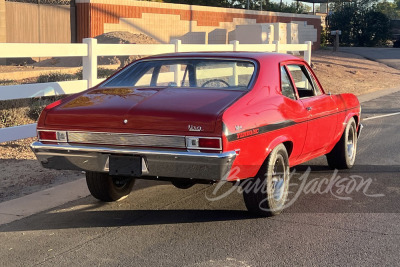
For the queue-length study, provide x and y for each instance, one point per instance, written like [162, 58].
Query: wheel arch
[352, 115]
[283, 139]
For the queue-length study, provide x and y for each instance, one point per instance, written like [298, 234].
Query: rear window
[186, 73]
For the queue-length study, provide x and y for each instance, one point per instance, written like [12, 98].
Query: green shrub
[56, 77]
[8, 82]
[38, 104]
[104, 73]
[8, 117]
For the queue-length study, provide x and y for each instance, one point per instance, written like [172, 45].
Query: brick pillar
[82, 20]
[3, 34]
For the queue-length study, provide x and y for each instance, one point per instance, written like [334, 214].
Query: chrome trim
[57, 136]
[103, 138]
[162, 163]
[189, 144]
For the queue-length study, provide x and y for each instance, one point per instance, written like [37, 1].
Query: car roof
[259, 56]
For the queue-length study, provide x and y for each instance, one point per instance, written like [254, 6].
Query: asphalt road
[355, 222]
[388, 56]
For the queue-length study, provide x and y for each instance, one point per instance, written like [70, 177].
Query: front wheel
[108, 188]
[343, 155]
[266, 194]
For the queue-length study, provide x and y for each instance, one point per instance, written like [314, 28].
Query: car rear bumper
[162, 163]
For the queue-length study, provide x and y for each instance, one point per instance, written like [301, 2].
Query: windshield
[186, 73]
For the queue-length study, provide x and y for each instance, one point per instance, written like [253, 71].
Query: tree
[250, 4]
[392, 10]
[361, 23]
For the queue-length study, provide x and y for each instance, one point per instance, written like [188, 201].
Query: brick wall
[164, 21]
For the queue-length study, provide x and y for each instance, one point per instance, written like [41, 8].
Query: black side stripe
[260, 130]
[274, 127]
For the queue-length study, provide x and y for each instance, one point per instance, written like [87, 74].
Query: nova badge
[193, 128]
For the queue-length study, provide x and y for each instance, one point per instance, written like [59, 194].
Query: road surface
[353, 222]
[387, 56]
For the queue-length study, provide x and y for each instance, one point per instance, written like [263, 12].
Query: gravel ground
[21, 174]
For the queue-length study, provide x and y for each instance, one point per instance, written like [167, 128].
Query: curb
[22, 207]
[374, 95]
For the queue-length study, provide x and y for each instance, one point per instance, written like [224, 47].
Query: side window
[145, 79]
[303, 81]
[286, 85]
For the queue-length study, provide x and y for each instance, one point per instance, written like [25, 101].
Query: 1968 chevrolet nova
[200, 118]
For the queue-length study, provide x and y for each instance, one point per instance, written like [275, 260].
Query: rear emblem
[193, 128]
[125, 121]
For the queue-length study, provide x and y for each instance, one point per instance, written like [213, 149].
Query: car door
[293, 110]
[321, 109]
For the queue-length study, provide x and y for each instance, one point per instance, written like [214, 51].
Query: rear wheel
[182, 183]
[108, 188]
[343, 155]
[266, 194]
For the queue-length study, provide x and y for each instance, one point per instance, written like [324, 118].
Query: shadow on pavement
[353, 191]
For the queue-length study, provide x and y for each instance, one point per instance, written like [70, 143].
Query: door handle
[309, 108]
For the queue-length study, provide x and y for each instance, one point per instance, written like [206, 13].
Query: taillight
[57, 136]
[48, 136]
[208, 143]
[54, 104]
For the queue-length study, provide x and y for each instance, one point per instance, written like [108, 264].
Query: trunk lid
[158, 109]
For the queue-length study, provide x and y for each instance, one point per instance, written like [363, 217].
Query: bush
[38, 104]
[8, 117]
[8, 82]
[325, 35]
[104, 73]
[56, 77]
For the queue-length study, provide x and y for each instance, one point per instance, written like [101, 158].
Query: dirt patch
[21, 174]
[347, 73]
[122, 38]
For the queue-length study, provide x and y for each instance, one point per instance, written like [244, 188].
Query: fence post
[276, 43]
[177, 44]
[235, 45]
[307, 54]
[177, 68]
[89, 63]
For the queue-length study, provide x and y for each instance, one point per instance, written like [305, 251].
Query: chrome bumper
[173, 164]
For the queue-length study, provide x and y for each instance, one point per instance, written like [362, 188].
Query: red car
[201, 118]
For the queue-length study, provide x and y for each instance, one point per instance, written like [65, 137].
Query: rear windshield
[186, 73]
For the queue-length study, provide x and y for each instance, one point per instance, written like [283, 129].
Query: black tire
[108, 188]
[343, 155]
[264, 195]
[183, 184]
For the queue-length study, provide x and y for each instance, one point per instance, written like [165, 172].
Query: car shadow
[118, 218]
[89, 213]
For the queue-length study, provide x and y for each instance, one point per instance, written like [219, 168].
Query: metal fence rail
[89, 50]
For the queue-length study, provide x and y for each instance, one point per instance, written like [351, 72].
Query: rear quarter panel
[258, 122]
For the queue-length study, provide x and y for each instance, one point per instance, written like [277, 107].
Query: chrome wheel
[266, 194]
[278, 179]
[351, 144]
[343, 155]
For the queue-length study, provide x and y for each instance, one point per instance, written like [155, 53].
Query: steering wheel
[216, 83]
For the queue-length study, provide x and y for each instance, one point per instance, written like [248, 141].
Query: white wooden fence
[89, 50]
